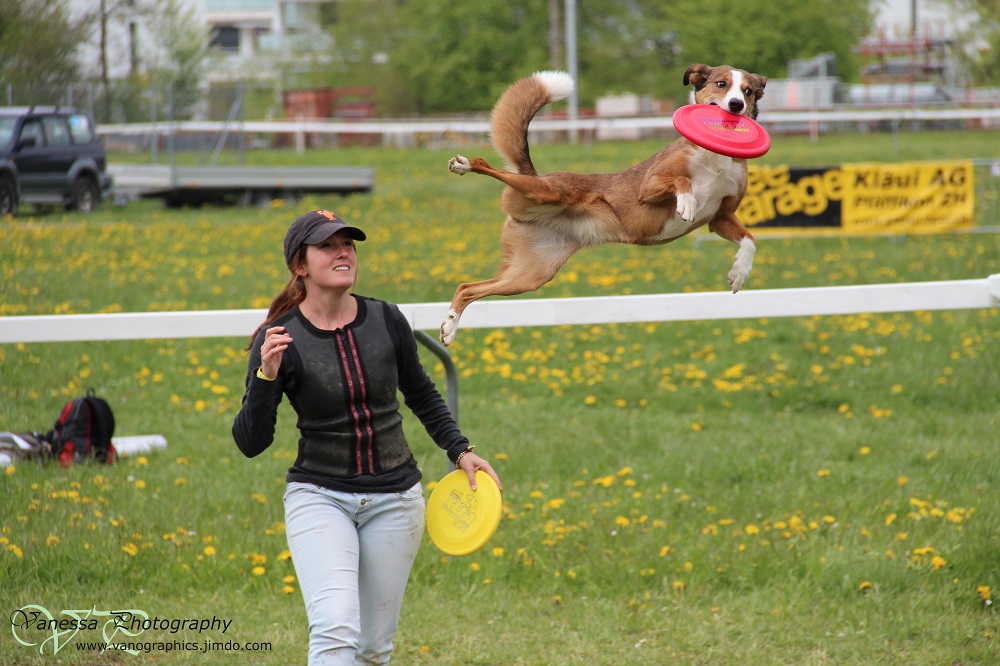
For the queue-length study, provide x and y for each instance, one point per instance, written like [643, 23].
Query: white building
[249, 35]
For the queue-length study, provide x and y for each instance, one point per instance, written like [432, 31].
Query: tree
[364, 33]
[438, 56]
[979, 46]
[441, 56]
[460, 56]
[177, 59]
[165, 47]
[645, 46]
[38, 49]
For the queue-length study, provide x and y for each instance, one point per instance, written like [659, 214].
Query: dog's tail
[514, 111]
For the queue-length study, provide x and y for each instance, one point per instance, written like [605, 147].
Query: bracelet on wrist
[462, 454]
[261, 375]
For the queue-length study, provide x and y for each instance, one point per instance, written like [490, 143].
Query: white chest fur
[713, 177]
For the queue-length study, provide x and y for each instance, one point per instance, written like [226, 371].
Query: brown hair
[293, 294]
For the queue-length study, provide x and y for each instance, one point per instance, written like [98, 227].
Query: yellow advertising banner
[912, 197]
[909, 197]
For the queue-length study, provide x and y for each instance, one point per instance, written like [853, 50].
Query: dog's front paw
[742, 264]
[737, 278]
[449, 327]
[687, 206]
[459, 165]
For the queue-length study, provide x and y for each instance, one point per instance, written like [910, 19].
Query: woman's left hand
[470, 462]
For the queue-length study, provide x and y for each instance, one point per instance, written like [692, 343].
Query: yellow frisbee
[461, 520]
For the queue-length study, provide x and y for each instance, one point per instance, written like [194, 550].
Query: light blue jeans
[352, 554]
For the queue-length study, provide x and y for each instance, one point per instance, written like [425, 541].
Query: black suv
[50, 156]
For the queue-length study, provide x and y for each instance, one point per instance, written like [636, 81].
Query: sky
[933, 18]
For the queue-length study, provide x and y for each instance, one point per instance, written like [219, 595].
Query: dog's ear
[757, 83]
[697, 75]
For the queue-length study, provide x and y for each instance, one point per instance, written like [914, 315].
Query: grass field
[785, 491]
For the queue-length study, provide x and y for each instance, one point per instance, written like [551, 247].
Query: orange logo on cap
[327, 214]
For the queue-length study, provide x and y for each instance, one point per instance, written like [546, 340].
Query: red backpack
[83, 431]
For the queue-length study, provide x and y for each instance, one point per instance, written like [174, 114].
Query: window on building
[226, 38]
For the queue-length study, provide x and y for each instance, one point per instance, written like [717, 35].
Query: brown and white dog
[679, 189]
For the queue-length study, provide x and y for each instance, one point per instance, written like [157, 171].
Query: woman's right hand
[276, 341]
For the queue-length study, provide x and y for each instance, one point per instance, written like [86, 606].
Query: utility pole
[555, 36]
[571, 65]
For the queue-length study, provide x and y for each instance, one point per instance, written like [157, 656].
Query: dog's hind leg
[534, 188]
[531, 257]
[727, 226]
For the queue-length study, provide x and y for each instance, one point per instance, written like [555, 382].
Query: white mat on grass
[126, 446]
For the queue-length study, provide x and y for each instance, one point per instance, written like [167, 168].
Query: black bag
[84, 430]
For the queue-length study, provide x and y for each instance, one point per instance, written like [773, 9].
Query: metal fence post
[451, 374]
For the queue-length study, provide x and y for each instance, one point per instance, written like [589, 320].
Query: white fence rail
[773, 120]
[812, 301]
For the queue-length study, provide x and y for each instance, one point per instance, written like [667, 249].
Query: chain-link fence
[987, 175]
[122, 101]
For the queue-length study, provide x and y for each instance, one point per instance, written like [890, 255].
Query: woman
[354, 507]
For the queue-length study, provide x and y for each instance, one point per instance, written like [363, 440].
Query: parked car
[51, 156]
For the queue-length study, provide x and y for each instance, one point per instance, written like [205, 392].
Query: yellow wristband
[260, 375]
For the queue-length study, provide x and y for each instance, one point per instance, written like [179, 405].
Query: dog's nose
[735, 105]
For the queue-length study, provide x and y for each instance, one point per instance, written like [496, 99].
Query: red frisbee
[721, 132]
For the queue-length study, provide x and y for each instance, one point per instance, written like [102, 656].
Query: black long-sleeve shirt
[343, 386]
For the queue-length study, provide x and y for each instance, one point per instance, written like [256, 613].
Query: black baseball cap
[315, 227]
